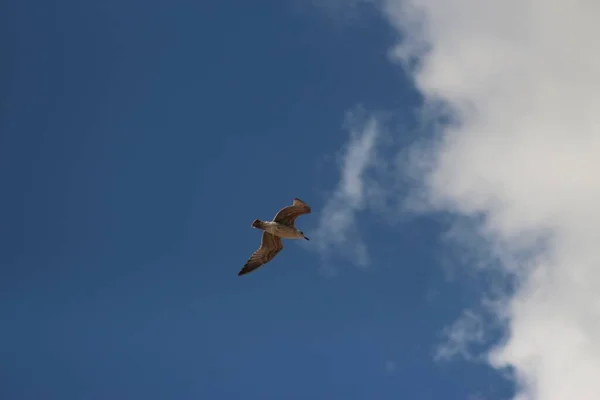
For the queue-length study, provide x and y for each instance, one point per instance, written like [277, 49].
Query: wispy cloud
[391, 366]
[337, 230]
[465, 331]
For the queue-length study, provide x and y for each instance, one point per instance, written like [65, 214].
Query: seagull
[282, 227]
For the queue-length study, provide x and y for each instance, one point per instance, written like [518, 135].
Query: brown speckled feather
[270, 245]
[288, 215]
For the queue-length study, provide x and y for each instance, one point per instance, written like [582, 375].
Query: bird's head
[302, 233]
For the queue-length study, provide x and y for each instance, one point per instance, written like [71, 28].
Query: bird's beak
[306, 238]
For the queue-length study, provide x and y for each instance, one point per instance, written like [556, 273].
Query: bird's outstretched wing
[288, 215]
[270, 245]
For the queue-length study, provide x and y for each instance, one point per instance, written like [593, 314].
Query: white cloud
[337, 231]
[522, 78]
[520, 164]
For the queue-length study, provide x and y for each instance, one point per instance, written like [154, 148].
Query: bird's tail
[258, 224]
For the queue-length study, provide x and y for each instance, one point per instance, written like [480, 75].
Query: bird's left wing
[270, 246]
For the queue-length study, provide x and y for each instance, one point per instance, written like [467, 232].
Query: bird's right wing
[270, 246]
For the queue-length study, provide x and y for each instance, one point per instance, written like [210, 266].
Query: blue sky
[138, 142]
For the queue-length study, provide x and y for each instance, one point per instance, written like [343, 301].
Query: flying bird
[282, 227]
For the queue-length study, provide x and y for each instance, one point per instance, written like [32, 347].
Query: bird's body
[282, 227]
[279, 230]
